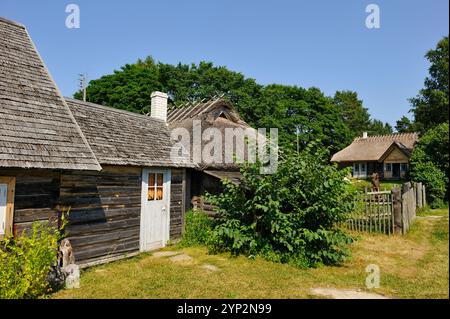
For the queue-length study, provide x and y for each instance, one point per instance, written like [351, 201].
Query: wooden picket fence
[373, 212]
[387, 212]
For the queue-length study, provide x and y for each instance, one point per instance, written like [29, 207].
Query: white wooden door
[155, 208]
[3, 202]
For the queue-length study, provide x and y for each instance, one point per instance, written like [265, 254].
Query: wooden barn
[221, 115]
[110, 168]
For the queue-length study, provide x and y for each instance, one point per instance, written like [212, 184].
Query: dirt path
[345, 294]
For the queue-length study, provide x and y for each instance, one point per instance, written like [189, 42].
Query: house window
[363, 168]
[403, 167]
[388, 167]
[359, 170]
[155, 186]
[7, 185]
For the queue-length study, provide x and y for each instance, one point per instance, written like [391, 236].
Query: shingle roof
[119, 137]
[37, 129]
[373, 148]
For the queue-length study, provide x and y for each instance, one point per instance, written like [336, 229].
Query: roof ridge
[15, 23]
[113, 109]
[381, 136]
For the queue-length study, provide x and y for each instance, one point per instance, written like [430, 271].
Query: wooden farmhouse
[111, 169]
[387, 155]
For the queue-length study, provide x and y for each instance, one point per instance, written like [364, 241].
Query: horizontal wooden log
[111, 236]
[97, 215]
[90, 228]
[102, 249]
[33, 214]
[99, 200]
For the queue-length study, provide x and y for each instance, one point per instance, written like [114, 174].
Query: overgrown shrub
[25, 262]
[197, 229]
[289, 216]
[429, 164]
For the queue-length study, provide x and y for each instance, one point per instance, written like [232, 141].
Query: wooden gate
[373, 212]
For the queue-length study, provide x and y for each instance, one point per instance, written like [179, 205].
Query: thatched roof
[217, 113]
[375, 148]
[119, 137]
[37, 129]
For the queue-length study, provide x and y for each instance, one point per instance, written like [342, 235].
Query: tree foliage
[306, 114]
[354, 114]
[430, 163]
[404, 125]
[289, 216]
[377, 127]
[430, 106]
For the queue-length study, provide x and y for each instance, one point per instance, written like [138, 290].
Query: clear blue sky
[307, 43]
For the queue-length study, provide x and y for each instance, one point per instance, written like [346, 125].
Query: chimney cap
[159, 94]
[364, 135]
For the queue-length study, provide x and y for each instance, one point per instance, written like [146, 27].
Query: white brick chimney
[159, 106]
[364, 134]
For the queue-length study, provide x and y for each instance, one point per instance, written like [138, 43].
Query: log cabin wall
[35, 199]
[177, 203]
[105, 208]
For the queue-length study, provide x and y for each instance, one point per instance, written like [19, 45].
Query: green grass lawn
[412, 266]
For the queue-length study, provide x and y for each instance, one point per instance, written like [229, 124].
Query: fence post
[419, 195]
[424, 196]
[406, 187]
[397, 209]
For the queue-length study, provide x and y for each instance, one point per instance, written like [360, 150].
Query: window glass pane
[151, 179]
[159, 179]
[159, 193]
[356, 168]
[151, 193]
[388, 167]
[363, 167]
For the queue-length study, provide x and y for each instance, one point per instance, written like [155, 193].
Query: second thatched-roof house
[387, 155]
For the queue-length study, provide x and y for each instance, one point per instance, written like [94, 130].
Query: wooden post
[406, 187]
[397, 209]
[424, 197]
[419, 195]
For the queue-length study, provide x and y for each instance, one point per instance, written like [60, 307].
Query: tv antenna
[82, 83]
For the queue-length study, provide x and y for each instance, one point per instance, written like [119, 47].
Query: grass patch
[412, 266]
[361, 185]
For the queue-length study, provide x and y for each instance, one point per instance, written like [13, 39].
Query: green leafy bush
[289, 216]
[26, 261]
[197, 229]
[430, 164]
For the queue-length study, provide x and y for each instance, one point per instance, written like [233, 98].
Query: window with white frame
[388, 167]
[403, 167]
[7, 185]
